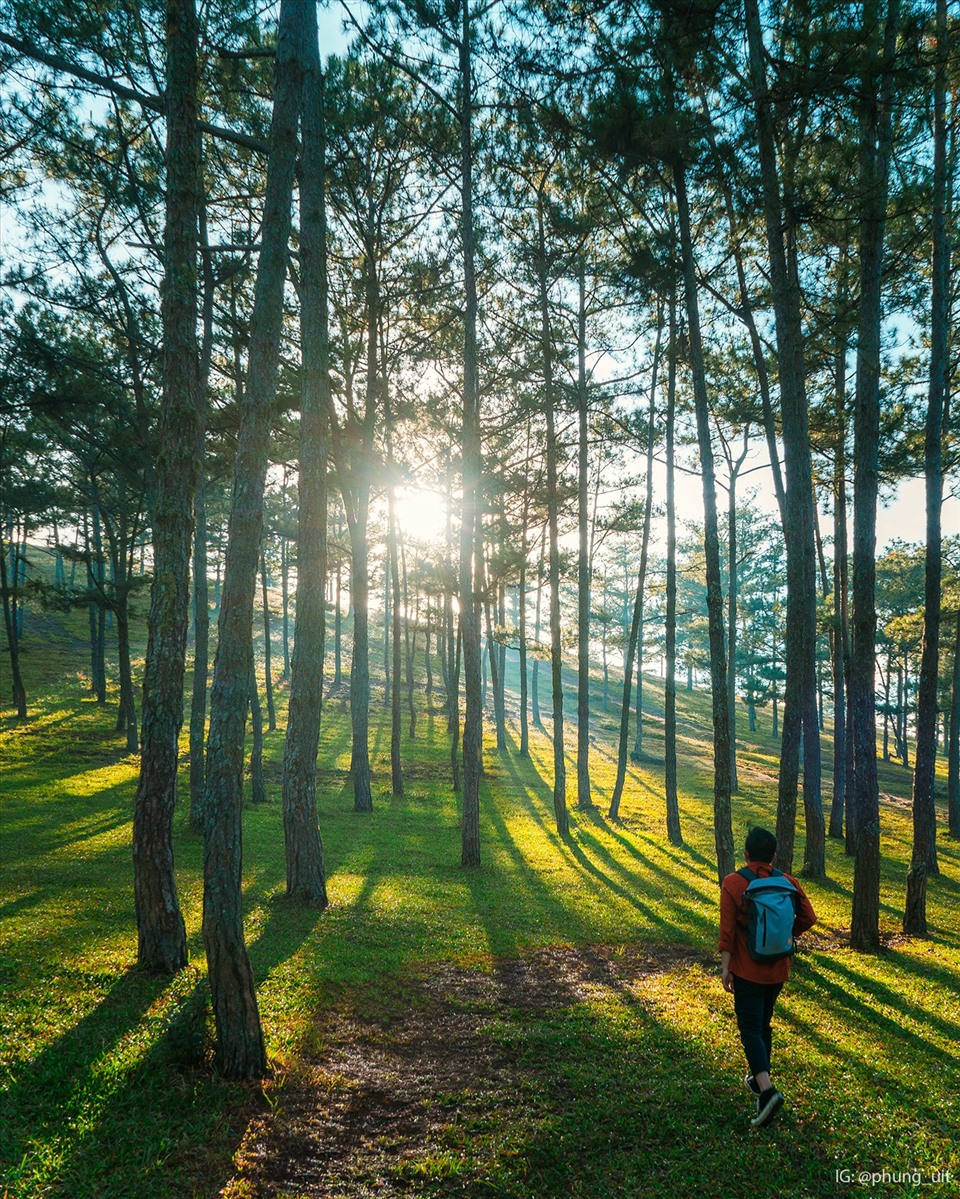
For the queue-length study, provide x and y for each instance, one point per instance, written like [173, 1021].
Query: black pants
[753, 1004]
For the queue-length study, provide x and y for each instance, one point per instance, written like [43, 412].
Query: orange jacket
[733, 924]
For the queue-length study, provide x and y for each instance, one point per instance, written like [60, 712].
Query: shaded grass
[108, 1088]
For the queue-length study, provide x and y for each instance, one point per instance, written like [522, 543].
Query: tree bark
[201, 657]
[387, 622]
[338, 627]
[723, 828]
[535, 681]
[285, 598]
[472, 473]
[496, 673]
[637, 617]
[98, 611]
[556, 648]
[240, 1049]
[303, 847]
[360, 659]
[201, 586]
[953, 743]
[638, 655]
[924, 857]
[267, 643]
[732, 605]
[875, 148]
[674, 833]
[19, 694]
[161, 935]
[410, 631]
[258, 787]
[841, 635]
[522, 613]
[799, 721]
[391, 616]
[584, 799]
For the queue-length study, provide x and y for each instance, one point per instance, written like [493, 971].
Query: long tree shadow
[846, 982]
[527, 889]
[684, 856]
[670, 886]
[615, 881]
[201, 1125]
[49, 1093]
[922, 1097]
[603, 865]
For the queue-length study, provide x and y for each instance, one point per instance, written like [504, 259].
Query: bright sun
[422, 514]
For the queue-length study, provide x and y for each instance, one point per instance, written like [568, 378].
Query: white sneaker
[768, 1104]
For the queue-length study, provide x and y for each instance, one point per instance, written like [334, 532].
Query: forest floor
[549, 1025]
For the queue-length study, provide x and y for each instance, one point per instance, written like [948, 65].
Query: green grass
[632, 1091]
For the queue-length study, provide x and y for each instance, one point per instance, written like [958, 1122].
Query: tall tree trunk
[535, 682]
[268, 642]
[800, 695]
[455, 700]
[953, 743]
[201, 657]
[303, 847]
[522, 614]
[496, 678]
[360, 660]
[19, 694]
[924, 857]
[875, 148]
[338, 626]
[98, 625]
[427, 659]
[735, 467]
[450, 636]
[723, 828]
[127, 716]
[391, 617]
[161, 936]
[841, 642]
[354, 478]
[387, 610]
[201, 585]
[258, 787]
[410, 631]
[638, 707]
[472, 473]
[886, 710]
[553, 501]
[502, 651]
[637, 618]
[240, 1049]
[285, 602]
[584, 799]
[674, 833]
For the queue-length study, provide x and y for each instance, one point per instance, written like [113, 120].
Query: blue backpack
[771, 911]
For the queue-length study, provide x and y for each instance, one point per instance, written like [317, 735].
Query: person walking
[756, 943]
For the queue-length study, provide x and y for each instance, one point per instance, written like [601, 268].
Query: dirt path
[388, 1086]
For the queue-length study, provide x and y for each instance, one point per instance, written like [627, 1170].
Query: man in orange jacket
[754, 984]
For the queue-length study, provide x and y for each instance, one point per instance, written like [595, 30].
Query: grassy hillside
[550, 1025]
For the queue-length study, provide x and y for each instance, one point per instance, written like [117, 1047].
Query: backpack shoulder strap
[748, 874]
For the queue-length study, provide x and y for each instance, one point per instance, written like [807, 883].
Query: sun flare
[422, 514]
